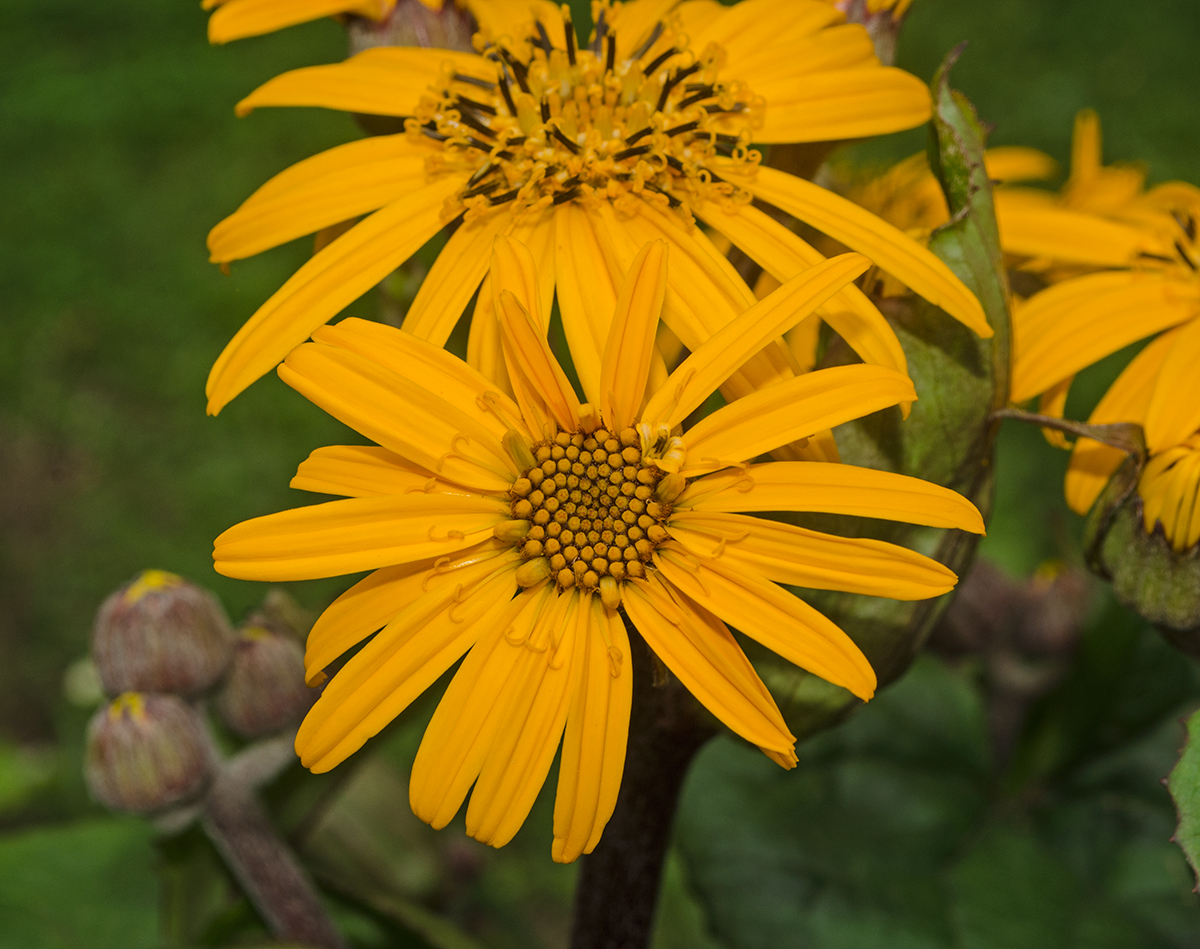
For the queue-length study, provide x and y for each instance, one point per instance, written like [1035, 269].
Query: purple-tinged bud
[161, 634]
[265, 691]
[146, 753]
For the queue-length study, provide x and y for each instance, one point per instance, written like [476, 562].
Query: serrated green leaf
[1184, 785]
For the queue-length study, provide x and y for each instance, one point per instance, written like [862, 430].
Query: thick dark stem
[264, 865]
[617, 892]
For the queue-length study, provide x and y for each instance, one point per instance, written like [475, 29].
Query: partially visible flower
[584, 153]
[1170, 491]
[237, 19]
[518, 532]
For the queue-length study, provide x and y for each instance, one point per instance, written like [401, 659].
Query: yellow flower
[516, 531]
[584, 153]
[237, 19]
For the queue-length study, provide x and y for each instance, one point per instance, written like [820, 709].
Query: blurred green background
[120, 150]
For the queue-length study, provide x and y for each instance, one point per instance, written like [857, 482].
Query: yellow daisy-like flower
[237, 19]
[517, 531]
[1169, 487]
[584, 153]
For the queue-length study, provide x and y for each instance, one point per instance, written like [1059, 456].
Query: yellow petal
[783, 623]
[1074, 324]
[791, 410]
[782, 254]
[363, 471]
[1012, 163]
[339, 537]
[533, 713]
[633, 22]
[409, 654]
[716, 360]
[513, 18]
[784, 553]
[334, 186]
[1174, 411]
[339, 274]
[434, 369]
[834, 489]
[701, 652]
[1032, 228]
[377, 599]
[627, 354]
[384, 80]
[401, 415]
[238, 19]
[893, 251]
[752, 25]
[543, 391]
[842, 46]
[465, 724]
[454, 277]
[593, 753]
[1086, 157]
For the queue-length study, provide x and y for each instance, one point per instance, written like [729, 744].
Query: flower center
[591, 508]
[560, 124]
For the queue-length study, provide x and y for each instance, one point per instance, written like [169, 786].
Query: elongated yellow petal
[384, 80]
[512, 18]
[840, 104]
[238, 19]
[593, 753]
[466, 721]
[377, 599]
[892, 250]
[363, 471]
[339, 274]
[430, 366]
[1032, 228]
[454, 277]
[782, 254]
[1013, 163]
[627, 355]
[533, 716]
[843, 46]
[1127, 400]
[784, 553]
[543, 391]
[752, 25]
[1174, 411]
[834, 489]
[514, 269]
[783, 623]
[401, 415]
[701, 652]
[1073, 324]
[339, 537]
[334, 186]
[407, 657]
[709, 366]
[588, 284]
[791, 410]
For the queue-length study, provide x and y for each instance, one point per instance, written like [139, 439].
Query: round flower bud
[264, 692]
[161, 634]
[145, 753]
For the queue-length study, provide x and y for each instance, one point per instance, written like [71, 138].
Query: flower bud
[264, 692]
[161, 634]
[145, 753]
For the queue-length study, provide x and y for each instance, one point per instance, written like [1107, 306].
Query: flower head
[584, 152]
[519, 530]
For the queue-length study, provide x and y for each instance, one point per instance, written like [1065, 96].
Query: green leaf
[84, 886]
[1184, 785]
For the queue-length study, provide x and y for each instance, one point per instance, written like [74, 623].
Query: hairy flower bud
[161, 634]
[265, 691]
[145, 753]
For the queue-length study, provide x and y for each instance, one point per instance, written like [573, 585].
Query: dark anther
[650, 41]
[630, 152]
[672, 201]
[569, 32]
[545, 110]
[1183, 255]
[520, 71]
[505, 154]
[611, 59]
[544, 37]
[704, 92]
[599, 33]
[469, 119]
[1187, 222]
[675, 163]
[680, 129]
[1150, 256]
[712, 175]
[672, 83]
[727, 139]
[566, 141]
[471, 80]
[519, 140]
[477, 106]
[570, 183]
[564, 196]
[659, 60]
[714, 109]
[638, 135]
[476, 143]
[480, 173]
[433, 133]
[485, 188]
[508, 99]
[504, 198]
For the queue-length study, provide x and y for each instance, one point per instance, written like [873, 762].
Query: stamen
[1183, 254]
[600, 34]
[469, 119]
[477, 106]
[508, 99]
[680, 129]
[571, 146]
[671, 83]
[659, 60]
[564, 196]
[704, 92]
[638, 135]
[1186, 222]
[610, 58]
[650, 41]
[471, 80]
[631, 152]
[519, 69]
[544, 37]
[545, 109]
[569, 31]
